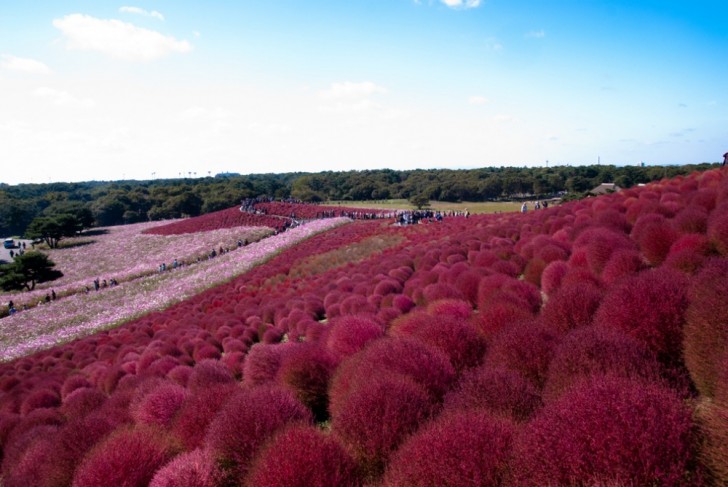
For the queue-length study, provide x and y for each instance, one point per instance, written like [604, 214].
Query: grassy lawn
[401, 204]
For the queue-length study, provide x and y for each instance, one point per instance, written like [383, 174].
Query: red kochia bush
[426, 365]
[378, 415]
[303, 456]
[128, 457]
[52, 460]
[262, 362]
[349, 334]
[718, 228]
[305, 371]
[572, 306]
[43, 398]
[552, 276]
[455, 337]
[193, 469]
[81, 402]
[706, 328]
[592, 351]
[160, 406]
[649, 306]
[207, 373]
[501, 392]
[611, 429]
[199, 409]
[622, 263]
[712, 418]
[526, 349]
[465, 448]
[249, 419]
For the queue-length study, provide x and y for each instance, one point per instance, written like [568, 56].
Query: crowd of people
[537, 206]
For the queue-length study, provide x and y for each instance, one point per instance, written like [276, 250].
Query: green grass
[401, 204]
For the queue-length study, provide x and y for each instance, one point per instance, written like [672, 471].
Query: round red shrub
[455, 337]
[501, 392]
[649, 306]
[43, 398]
[437, 291]
[305, 371]
[81, 402]
[51, 461]
[180, 374]
[600, 244]
[391, 399]
[262, 362]
[246, 422]
[349, 334]
[127, 457]
[718, 228]
[303, 456]
[593, 351]
[197, 412]
[655, 240]
[526, 349]
[72, 383]
[465, 448]
[32, 467]
[572, 306]
[207, 373]
[500, 316]
[450, 308]
[611, 429]
[403, 303]
[192, 469]
[160, 406]
[552, 275]
[426, 365]
[706, 327]
[692, 219]
[621, 264]
[712, 419]
[22, 439]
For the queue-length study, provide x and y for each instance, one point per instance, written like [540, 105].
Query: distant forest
[119, 202]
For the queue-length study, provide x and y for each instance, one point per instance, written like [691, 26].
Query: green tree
[27, 270]
[420, 201]
[52, 229]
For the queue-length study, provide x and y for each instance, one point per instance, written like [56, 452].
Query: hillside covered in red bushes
[583, 344]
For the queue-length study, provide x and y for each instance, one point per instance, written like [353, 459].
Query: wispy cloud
[117, 39]
[536, 34]
[493, 44]
[352, 90]
[141, 11]
[62, 98]
[477, 100]
[23, 65]
[462, 3]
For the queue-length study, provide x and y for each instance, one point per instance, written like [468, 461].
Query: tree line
[62, 209]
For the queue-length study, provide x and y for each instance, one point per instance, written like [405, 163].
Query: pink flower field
[81, 314]
[580, 345]
[126, 252]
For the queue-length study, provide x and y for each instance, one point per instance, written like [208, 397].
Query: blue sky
[100, 90]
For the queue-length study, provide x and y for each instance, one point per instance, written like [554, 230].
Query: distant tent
[605, 188]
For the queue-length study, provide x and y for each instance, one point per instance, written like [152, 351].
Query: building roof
[606, 188]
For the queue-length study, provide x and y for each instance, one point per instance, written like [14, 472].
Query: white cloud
[141, 11]
[117, 39]
[477, 100]
[62, 98]
[462, 3]
[536, 34]
[351, 90]
[493, 44]
[23, 65]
